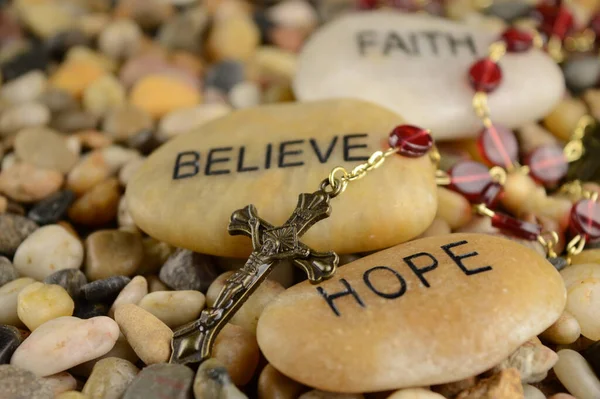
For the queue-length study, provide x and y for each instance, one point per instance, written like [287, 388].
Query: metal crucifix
[193, 342]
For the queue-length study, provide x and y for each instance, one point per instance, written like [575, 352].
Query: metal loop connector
[497, 50]
[498, 175]
[575, 246]
[549, 243]
[442, 178]
[480, 105]
[483, 210]
[573, 150]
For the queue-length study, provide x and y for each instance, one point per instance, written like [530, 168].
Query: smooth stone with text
[431, 311]
[185, 192]
[418, 66]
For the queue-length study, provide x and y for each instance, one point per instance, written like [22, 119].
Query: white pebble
[174, 308]
[245, 95]
[132, 293]
[9, 294]
[25, 88]
[576, 375]
[531, 392]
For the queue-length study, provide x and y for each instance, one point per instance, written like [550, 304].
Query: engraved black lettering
[315, 146]
[458, 258]
[364, 39]
[240, 165]
[268, 156]
[395, 41]
[388, 295]
[332, 297]
[191, 161]
[348, 146]
[465, 42]
[210, 161]
[283, 153]
[432, 36]
[414, 44]
[420, 271]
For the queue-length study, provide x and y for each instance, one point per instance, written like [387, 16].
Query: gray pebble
[184, 32]
[105, 290]
[70, 279]
[187, 270]
[213, 381]
[86, 310]
[52, 209]
[581, 72]
[163, 380]
[224, 75]
[10, 339]
[13, 231]
[508, 10]
[16, 383]
[72, 121]
[8, 272]
[58, 100]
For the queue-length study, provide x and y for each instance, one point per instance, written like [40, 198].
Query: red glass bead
[485, 75]
[498, 146]
[411, 141]
[490, 195]
[585, 219]
[517, 41]
[547, 164]
[367, 4]
[519, 228]
[469, 178]
[555, 20]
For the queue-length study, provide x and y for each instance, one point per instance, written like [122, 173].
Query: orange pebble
[76, 75]
[161, 94]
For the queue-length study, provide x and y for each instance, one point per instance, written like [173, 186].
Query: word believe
[413, 44]
[390, 273]
[286, 154]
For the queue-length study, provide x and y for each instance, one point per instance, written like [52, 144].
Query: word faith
[370, 42]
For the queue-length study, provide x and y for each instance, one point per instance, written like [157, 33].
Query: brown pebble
[93, 139]
[98, 206]
[112, 253]
[25, 183]
[154, 284]
[238, 350]
[44, 148]
[123, 122]
[562, 120]
[453, 208]
[274, 385]
[90, 171]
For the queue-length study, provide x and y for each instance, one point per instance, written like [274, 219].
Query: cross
[193, 342]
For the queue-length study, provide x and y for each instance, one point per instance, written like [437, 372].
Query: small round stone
[225, 75]
[160, 94]
[233, 38]
[105, 290]
[46, 250]
[120, 38]
[14, 229]
[76, 75]
[576, 374]
[274, 385]
[453, 208]
[9, 298]
[156, 254]
[149, 337]
[74, 121]
[174, 308]
[20, 116]
[112, 253]
[24, 182]
[244, 95]
[85, 309]
[70, 279]
[133, 293]
[581, 73]
[213, 381]
[102, 95]
[169, 380]
[44, 148]
[563, 119]
[415, 393]
[8, 272]
[188, 270]
[58, 100]
[411, 141]
[90, 171]
[97, 206]
[39, 303]
[17, 383]
[52, 209]
[109, 379]
[564, 331]
[25, 88]
[123, 122]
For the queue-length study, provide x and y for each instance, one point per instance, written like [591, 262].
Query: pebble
[245, 95]
[109, 379]
[44, 148]
[154, 284]
[59, 45]
[58, 100]
[532, 360]
[71, 395]
[16, 383]
[160, 94]
[451, 389]
[187, 119]
[247, 316]
[532, 135]
[129, 169]
[156, 254]
[415, 393]
[47, 250]
[174, 308]
[98, 206]
[155, 207]
[388, 290]
[120, 38]
[103, 95]
[293, 14]
[504, 385]
[564, 331]
[237, 349]
[10, 339]
[38, 303]
[70, 279]
[360, 45]
[105, 290]
[53, 208]
[453, 208]
[8, 272]
[24, 182]
[46, 19]
[149, 337]
[586, 256]
[581, 282]
[74, 120]
[225, 75]
[233, 38]
[185, 31]
[86, 310]
[188, 270]
[112, 252]
[157, 381]
[318, 394]
[121, 350]
[213, 381]
[9, 294]
[90, 171]
[25, 88]
[576, 375]
[76, 75]
[124, 122]
[563, 118]
[14, 229]
[133, 293]
[65, 342]
[20, 116]
[531, 392]
[274, 385]
[581, 72]
[60, 382]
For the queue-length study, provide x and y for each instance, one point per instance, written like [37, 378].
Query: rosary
[483, 187]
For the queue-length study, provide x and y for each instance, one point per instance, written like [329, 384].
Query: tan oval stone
[174, 308]
[160, 94]
[133, 292]
[112, 253]
[237, 349]
[44, 148]
[564, 331]
[61, 382]
[9, 294]
[25, 183]
[380, 335]
[274, 385]
[97, 206]
[575, 373]
[587, 256]
[169, 209]
[109, 379]
[415, 393]
[38, 303]
[89, 171]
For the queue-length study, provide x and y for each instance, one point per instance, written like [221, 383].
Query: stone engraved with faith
[193, 342]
